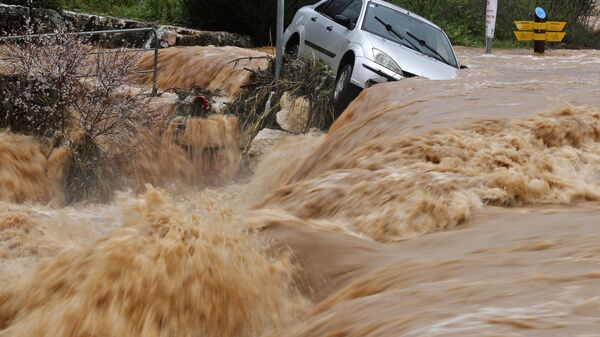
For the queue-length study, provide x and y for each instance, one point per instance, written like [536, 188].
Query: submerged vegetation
[258, 102]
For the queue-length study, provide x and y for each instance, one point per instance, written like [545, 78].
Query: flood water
[432, 208]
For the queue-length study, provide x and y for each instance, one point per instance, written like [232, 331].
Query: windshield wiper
[391, 29]
[426, 45]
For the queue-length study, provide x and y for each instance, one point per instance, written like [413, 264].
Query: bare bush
[49, 66]
[94, 110]
[107, 106]
[91, 84]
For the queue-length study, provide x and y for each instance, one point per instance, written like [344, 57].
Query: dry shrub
[93, 111]
[46, 75]
[257, 104]
[30, 114]
[166, 272]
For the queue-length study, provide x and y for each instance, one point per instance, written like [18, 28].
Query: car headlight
[385, 60]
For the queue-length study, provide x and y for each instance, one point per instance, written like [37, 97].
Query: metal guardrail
[105, 32]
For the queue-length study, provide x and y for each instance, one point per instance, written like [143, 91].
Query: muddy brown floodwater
[432, 208]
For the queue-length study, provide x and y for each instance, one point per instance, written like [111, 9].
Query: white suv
[370, 41]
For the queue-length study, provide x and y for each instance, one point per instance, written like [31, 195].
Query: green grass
[157, 11]
[500, 44]
[512, 44]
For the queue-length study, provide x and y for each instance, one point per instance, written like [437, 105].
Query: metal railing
[99, 53]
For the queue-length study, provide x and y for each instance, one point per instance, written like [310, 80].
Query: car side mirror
[344, 21]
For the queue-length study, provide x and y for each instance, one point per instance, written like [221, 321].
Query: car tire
[293, 50]
[343, 91]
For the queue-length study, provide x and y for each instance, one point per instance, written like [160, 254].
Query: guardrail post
[279, 51]
[155, 64]
[98, 62]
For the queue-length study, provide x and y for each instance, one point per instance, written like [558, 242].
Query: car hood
[412, 61]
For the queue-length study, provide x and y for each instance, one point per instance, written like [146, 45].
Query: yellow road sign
[524, 36]
[555, 36]
[524, 25]
[549, 36]
[554, 26]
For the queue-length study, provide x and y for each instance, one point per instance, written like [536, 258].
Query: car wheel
[293, 50]
[343, 91]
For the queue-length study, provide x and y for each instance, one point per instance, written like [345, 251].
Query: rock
[48, 19]
[89, 22]
[293, 116]
[264, 142]
[14, 18]
[170, 38]
[191, 37]
[166, 37]
[164, 105]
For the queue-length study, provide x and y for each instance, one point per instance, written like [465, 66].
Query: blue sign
[540, 12]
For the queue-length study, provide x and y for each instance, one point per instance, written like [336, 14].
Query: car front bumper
[366, 72]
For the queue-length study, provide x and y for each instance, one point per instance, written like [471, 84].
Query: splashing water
[30, 171]
[212, 68]
[328, 239]
[165, 272]
[416, 184]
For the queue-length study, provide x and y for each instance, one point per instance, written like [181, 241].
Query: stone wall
[13, 19]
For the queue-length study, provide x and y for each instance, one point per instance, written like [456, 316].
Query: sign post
[539, 46]
[490, 24]
[279, 51]
[540, 31]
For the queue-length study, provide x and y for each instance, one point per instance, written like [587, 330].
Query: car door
[317, 24]
[336, 36]
[312, 33]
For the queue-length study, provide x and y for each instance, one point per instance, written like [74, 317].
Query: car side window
[322, 6]
[353, 10]
[332, 7]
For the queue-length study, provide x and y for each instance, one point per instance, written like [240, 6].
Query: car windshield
[407, 30]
